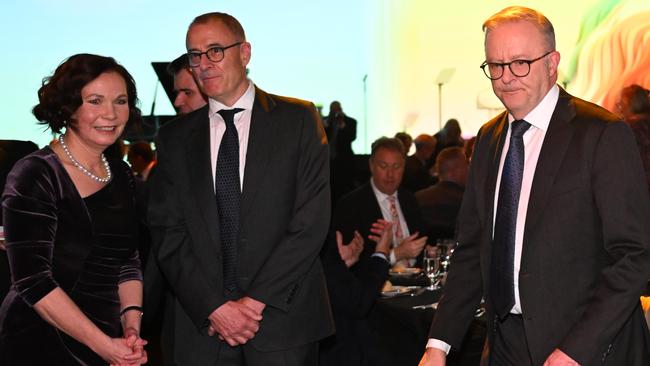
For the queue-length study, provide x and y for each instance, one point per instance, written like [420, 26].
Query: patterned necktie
[398, 235]
[228, 194]
[502, 289]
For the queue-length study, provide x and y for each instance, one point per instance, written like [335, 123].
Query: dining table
[400, 321]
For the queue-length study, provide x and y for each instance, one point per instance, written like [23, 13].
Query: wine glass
[431, 263]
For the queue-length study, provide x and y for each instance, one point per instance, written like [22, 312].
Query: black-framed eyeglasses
[214, 54]
[518, 68]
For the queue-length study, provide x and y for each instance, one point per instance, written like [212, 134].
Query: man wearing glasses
[239, 210]
[553, 229]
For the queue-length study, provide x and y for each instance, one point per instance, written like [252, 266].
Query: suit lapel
[555, 145]
[200, 173]
[495, 149]
[260, 141]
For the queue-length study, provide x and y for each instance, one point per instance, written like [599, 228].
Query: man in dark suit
[341, 132]
[553, 229]
[440, 203]
[381, 198]
[239, 210]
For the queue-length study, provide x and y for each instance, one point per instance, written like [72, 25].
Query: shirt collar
[381, 196]
[245, 101]
[540, 116]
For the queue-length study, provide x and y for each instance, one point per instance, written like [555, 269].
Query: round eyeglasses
[518, 68]
[214, 54]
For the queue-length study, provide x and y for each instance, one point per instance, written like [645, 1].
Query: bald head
[425, 145]
[452, 165]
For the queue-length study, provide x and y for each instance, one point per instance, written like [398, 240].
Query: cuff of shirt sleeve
[436, 343]
[380, 255]
[393, 259]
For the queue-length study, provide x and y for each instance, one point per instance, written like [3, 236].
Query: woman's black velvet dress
[56, 238]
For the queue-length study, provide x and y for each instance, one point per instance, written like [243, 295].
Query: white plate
[398, 290]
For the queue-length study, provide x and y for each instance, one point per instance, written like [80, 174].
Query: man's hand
[234, 322]
[350, 253]
[410, 247]
[377, 229]
[433, 357]
[559, 358]
[257, 306]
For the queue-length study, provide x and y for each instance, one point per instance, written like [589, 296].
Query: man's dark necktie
[228, 193]
[502, 289]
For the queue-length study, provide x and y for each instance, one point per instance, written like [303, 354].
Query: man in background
[188, 97]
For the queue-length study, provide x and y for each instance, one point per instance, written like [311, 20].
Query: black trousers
[509, 347]
[247, 355]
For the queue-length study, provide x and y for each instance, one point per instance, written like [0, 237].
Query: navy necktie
[228, 194]
[502, 289]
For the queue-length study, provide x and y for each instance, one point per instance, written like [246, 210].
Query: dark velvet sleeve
[29, 207]
[132, 268]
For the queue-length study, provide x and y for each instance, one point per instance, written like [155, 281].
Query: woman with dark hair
[71, 229]
[634, 107]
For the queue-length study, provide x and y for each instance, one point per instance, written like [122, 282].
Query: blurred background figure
[142, 159]
[406, 139]
[448, 136]
[416, 174]
[634, 107]
[188, 97]
[76, 292]
[440, 203]
[341, 130]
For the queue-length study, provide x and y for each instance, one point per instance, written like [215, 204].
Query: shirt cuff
[393, 259]
[380, 255]
[436, 343]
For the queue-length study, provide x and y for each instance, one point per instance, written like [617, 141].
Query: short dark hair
[228, 20]
[180, 63]
[388, 143]
[448, 159]
[141, 149]
[60, 95]
[638, 99]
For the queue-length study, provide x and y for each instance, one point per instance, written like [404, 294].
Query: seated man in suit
[440, 203]
[416, 174]
[381, 198]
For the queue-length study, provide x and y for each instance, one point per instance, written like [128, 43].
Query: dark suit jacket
[352, 296]
[285, 211]
[359, 209]
[344, 136]
[416, 175]
[439, 205]
[586, 246]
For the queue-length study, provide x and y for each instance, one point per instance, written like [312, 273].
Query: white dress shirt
[539, 119]
[384, 205]
[242, 123]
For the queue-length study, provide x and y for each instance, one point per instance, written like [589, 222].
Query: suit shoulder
[180, 125]
[290, 102]
[352, 200]
[593, 112]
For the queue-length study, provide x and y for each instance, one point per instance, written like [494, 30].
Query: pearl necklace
[76, 163]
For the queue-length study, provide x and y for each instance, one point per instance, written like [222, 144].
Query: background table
[401, 332]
